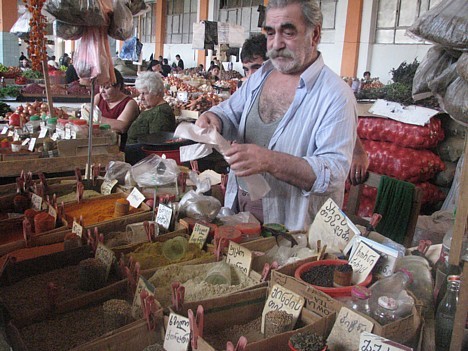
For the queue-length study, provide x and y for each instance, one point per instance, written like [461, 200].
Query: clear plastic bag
[80, 12]
[444, 24]
[155, 171]
[117, 170]
[137, 7]
[456, 101]
[67, 31]
[462, 66]
[21, 27]
[121, 23]
[439, 84]
[433, 64]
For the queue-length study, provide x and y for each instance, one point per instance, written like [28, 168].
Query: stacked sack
[401, 151]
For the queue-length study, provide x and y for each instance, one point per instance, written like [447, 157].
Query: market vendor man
[294, 122]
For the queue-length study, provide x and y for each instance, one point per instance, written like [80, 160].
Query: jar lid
[105, 127]
[408, 274]
[35, 118]
[52, 120]
[79, 122]
[360, 292]
[453, 278]
[388, 303]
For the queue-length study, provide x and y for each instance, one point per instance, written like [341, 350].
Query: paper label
[362, 261]
[107, 186]
[177, 336]
[346, 331]
[67, 133]
[11, 133]
[36, 202]
[73, 134]
[43, 133]
[164, 216]
[50, 153]
[25, 142]
[106, 256]
[282, 299]
[135, 198]
[77, 229]
[4, 130]
[143, 284]
[331, 227]
[54, 137]
[53, 212]
[32, 143]
[239, 257]
[372, 342]
[182, 96]
[388, 257]
[199, 235]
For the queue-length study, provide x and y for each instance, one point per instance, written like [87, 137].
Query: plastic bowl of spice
[319, 274]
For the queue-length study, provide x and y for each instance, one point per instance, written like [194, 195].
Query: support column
[350, 56]
[160, 10]
[202, 16]
[9, 48]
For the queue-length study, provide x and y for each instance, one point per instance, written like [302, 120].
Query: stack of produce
[402, 151]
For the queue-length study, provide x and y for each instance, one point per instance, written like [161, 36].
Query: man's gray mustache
[279, 53]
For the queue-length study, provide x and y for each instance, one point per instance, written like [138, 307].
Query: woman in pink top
[118, 110]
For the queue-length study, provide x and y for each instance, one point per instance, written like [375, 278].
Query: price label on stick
[177, 336]
[135, 198]
[107, 186]
[32, 143]
[52, 212]
[345, 334]
[54, 136]
[77, 229]
[106, 256]
[36, 202]
[239, 257]
[331, 227]
[362, 261]
[10, 133]
[4, 130]
[164, 216]
[282, 299]
[25, 142]
[43, 133]
[143, 284]
[199, 235]
[372, 342]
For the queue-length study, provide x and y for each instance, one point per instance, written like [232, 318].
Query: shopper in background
[22, 57]
[70, 74]
[25, 65]
[367, 76]
[215, 72]
[180, 62]
[166, 68]
[157, 117]
[52, 62]
[64, 60]
[294, 122]
[155, 66]
[118, 109]
[253, 54]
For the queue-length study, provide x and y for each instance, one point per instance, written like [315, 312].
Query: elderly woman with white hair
[157, 117]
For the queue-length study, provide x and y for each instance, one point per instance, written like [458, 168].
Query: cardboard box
[189, 114]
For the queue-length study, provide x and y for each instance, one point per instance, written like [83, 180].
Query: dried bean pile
[277, 322]
[251, 330]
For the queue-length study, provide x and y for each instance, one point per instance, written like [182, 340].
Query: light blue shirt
[319, 126]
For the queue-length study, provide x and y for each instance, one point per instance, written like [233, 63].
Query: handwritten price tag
[239, 257]
[106, 256]
[43, 133]
[67, 133]
[143, 284]
[199, 235]
[36, 202]
[77, 229]
[177, 336]
[4, 130]
[372, 342]
[388, 257]
[164, 216]
[362, 261]
[32, 143]
[331, 227]
[107, 186]
[25, 142]
[54, 136]
[73, 134]
[282, 299]
[135, 198]
[345, 334]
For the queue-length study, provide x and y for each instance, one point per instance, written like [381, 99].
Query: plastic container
[219, 274]
[34, 124]
[80, 127]
[172, 154]
[174, 249]
[249, 231]
[15, 146]
[51, 125]
[333, 292]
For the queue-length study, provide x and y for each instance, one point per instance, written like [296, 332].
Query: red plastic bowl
[333, 292]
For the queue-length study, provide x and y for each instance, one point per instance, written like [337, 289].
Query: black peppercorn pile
[323, 275]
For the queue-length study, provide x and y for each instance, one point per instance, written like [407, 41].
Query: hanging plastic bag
[128, 51]
[445, 24]
[67, 31]
[21, 27]
[155, 171]
[462, 66]
[137, 7]
[433, 64]
[80, 12]
[117, 170]
[121, 23]
[456, 101]
[196, 205]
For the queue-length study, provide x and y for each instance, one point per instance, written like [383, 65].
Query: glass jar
[34, 124]
[386, 310]
[445, 316]
[360, 299]
[79, 128]
[51, 125]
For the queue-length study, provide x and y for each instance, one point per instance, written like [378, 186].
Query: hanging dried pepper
[37, 41]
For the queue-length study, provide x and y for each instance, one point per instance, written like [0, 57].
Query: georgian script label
[346, 331]
[143, 284]
[199, 235]
[362, 261]
[106, 256]
[107, 186]
[77, 229]
[282, 299]
[177, 336]
[36, 202]
[239, 257]
[164, 216]
[372, 342]
[135, 198]
[331, 227]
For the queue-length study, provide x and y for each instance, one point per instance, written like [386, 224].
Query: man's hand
[209, 120]
[248, 159]
[359, 164]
